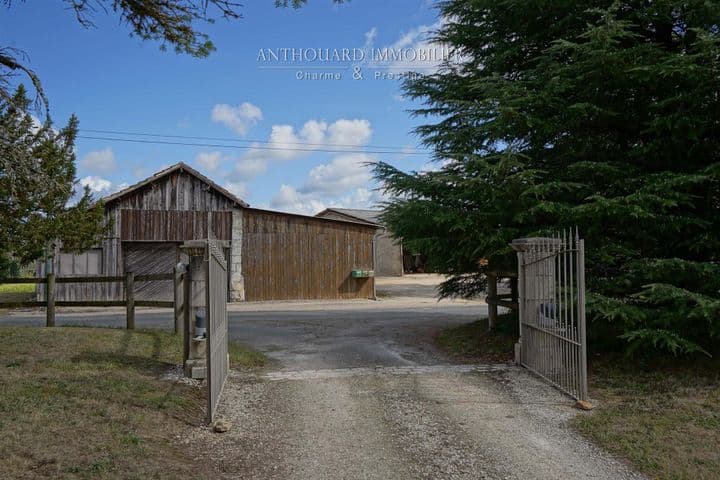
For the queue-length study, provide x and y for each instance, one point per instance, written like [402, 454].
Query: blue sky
[114, 82]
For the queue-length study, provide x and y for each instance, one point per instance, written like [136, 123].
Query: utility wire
[253, 147]
[239, 140]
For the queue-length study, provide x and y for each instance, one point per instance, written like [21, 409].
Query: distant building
[270, 255]
[388, 251]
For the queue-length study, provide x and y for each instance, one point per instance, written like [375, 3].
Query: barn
[388, 250]
[271, 255]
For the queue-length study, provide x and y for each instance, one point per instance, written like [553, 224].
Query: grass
[82, 403]
[663, 416]
[473, 342]
[28, 288]
[16, 292]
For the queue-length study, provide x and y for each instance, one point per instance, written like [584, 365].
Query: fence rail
[130, 303]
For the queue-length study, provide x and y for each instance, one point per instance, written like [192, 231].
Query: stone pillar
[236, 288]
[195, 363]
[536, 282]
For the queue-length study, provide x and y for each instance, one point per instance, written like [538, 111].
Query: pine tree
[604, 115]
[37, 182]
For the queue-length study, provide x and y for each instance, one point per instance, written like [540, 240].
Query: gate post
[517, 245]
[178, 297]
[50, 300]
[194, 363]
[130, 300]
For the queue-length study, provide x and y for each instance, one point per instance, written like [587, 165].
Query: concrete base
[195, 369]
[518, 357]
[197, 349]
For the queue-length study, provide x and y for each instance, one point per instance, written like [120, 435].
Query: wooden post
[50, 299]
[186, 313]
[130, 299]
[178, 301]
[492, 299]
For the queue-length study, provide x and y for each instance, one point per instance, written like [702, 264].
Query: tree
[37, 173]
[37, 180]
[604, 115]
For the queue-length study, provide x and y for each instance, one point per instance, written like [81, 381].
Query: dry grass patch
[662, 417]
[89, 403]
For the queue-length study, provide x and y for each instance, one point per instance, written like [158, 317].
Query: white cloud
[209, 160]
[239, 189]
[238, 119]
[101, 186]
[286, 143]
[289, 199]
[349, 132]
[99, 161]
[96, 184]
[416, 51]
[344, 173]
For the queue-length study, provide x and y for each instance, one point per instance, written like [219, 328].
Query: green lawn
[664, 417]
[6, 288]
[90, 403]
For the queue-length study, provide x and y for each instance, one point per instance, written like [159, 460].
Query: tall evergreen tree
[604, 115]
[37, 181]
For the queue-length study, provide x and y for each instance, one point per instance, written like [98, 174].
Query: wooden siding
[176, 191]
[148, 259]
[293, 257]
[172, 225]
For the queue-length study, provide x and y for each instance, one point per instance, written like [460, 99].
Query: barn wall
[292, 257]
[176, 191]
[388, 255]
[173, 206]
[388, 251]
[172, 225]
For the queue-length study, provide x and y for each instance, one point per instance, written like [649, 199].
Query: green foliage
[37, 181]
[596, 114]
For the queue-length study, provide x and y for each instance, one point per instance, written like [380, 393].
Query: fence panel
[217, 325]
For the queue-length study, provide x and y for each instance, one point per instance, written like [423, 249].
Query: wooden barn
[271, 255]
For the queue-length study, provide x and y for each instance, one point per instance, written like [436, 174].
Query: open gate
[551, 291]
[217, 324]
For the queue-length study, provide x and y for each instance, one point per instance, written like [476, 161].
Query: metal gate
[217, 325]
[551, 288]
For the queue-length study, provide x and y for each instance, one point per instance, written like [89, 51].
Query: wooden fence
[129, 280]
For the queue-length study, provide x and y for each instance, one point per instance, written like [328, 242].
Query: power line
[402, 150]
[253, 147]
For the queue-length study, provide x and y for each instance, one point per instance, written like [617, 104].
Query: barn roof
[178, 167]
[314, 217]
[367, 216]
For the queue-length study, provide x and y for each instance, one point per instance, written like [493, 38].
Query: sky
[285, 119]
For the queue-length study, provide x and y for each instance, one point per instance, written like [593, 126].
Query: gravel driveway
[358, 391]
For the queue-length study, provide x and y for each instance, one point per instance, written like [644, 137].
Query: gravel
[473, 422]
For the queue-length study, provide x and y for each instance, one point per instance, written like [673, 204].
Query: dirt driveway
[358, 391]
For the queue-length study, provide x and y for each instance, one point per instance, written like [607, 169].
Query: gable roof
[366, 216]
[178, 167]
